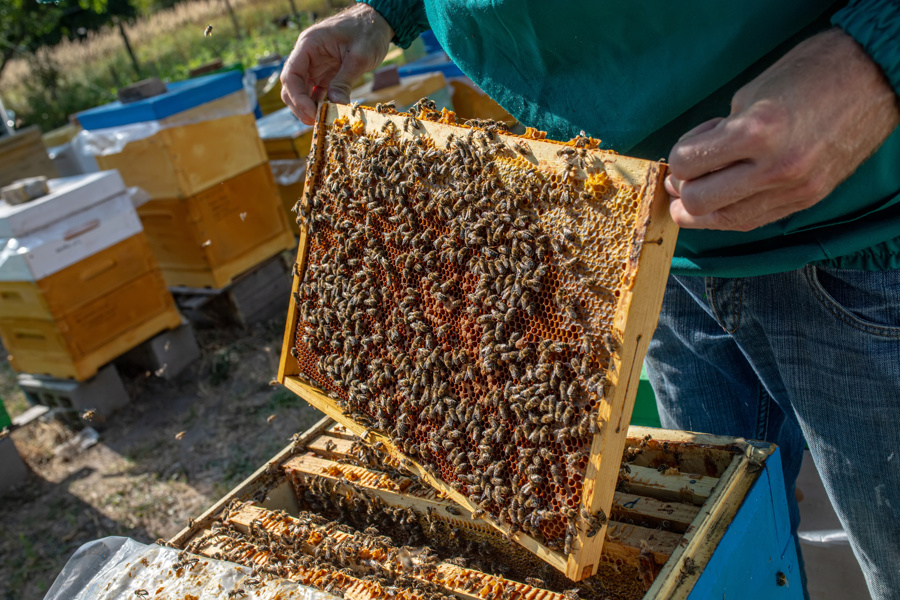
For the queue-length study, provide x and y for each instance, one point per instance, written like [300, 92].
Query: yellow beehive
[470, 298]
[23, 155]
[193, 151]
[207, 239]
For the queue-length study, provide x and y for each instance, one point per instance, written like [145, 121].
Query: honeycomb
[457, 295]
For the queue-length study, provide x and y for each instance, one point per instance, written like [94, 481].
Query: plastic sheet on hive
[115, 568]
[478, 305]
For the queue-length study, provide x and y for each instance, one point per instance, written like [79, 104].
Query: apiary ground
[139, 481]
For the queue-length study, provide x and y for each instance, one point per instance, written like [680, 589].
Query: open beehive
[334, 513]
[478, 305]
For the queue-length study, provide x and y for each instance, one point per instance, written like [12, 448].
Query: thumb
[339, 88]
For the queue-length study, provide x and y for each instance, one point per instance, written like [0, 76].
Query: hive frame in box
[637, 311]
[741, 466]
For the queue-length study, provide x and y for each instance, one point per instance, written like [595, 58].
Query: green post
[5, 421]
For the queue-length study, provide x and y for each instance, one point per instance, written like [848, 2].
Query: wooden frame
[637, 312]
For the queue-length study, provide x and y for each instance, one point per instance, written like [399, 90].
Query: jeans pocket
[865, 300]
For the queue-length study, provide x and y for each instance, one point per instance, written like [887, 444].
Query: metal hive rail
[480, 304]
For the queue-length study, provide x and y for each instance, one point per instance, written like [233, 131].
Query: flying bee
[208, 31]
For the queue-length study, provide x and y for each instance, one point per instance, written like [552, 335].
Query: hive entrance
[465, 298]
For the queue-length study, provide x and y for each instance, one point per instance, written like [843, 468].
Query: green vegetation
[50, 84]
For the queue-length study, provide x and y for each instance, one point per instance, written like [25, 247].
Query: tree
[26, 25]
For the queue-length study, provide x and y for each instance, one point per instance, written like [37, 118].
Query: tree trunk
[134, 62]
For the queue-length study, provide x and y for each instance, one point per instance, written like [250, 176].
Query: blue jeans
[814, 354]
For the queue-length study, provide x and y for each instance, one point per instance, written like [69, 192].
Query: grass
[46, 88]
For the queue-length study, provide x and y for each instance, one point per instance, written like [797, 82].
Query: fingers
[339, 89]
[296, 90]
[717, 189]
[747, 214]
[701, 128]
[712, 146]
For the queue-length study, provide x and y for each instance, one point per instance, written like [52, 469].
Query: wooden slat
[339, 431]
[645, 509]
[249, 486]
[330, 447]
[397, 491]
[652, 496]
[672, 487]
[459, 581]
[245, 553]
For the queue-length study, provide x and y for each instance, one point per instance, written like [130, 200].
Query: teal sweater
[639, 74]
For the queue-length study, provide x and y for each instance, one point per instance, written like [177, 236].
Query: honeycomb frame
[644, 262]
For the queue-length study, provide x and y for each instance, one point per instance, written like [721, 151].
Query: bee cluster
[453, 540]
[327, 555]
[459, 298]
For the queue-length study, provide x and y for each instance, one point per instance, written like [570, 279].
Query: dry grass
[56, 82]
[100, 45]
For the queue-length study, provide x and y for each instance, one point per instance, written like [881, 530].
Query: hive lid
[68, 195]
[181, 96]
[281, 124]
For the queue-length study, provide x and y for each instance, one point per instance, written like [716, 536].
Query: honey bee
[180, 435]
[208, 31]
[88, 415]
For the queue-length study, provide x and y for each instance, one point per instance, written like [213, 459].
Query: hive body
[480, 304]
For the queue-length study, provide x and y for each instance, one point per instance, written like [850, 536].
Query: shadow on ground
[179, 446]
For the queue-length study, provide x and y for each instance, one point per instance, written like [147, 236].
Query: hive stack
[215, 210]
[480, 304]
[23, 154]
[287, 141]
[78, 282]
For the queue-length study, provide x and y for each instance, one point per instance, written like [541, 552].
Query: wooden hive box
[24, 155]
[284, 136]
[290, 177]
[204, 134]
[509, 284]
[686, 509]
[79, 286]
[211, 237]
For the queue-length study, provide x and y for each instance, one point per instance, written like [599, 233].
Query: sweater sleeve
[406, 17]
[875, 25]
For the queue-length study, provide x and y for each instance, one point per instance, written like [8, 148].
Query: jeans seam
[711, 294]
[841, 315]
[737, 303]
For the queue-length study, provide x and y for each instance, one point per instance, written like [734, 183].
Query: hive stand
[167, 354]
[650, 247]
[104, 393]
[259, 294]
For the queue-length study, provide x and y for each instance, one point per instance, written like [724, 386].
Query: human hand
[794, 133]
[329, 56]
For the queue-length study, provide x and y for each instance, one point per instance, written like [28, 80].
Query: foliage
[27, 25]
[74, 76]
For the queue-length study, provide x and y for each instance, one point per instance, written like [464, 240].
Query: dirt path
[139, 480]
